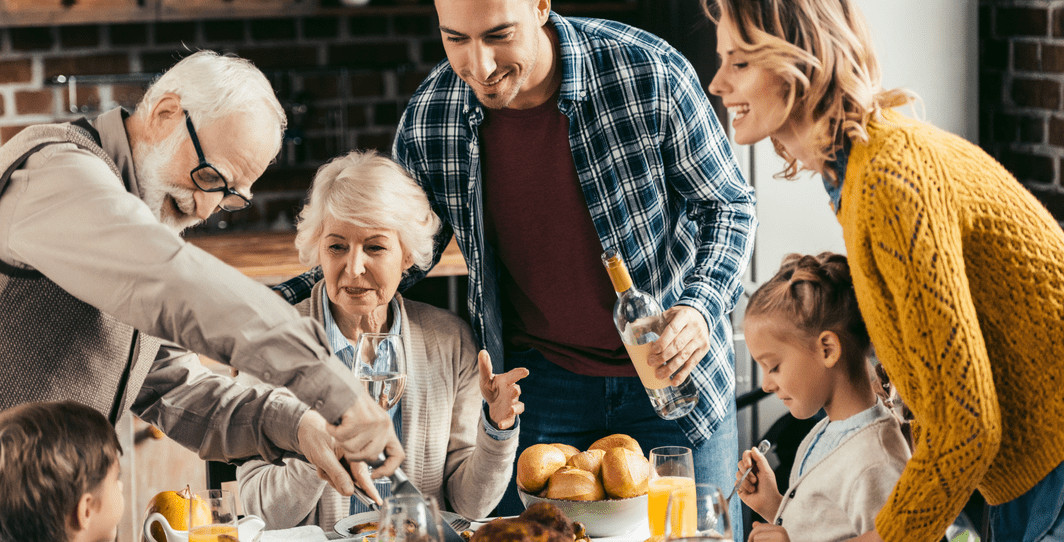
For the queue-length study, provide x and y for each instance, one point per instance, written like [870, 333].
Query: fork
[460, 524]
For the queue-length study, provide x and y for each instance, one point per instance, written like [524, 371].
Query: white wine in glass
[380, 363]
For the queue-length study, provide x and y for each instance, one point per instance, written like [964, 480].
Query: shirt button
[791, 495]
[318, 404]
[779, 521]
[267, 375]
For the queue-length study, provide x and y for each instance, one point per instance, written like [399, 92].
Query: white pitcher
[247, 527]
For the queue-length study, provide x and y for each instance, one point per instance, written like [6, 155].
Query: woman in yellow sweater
[958, 270]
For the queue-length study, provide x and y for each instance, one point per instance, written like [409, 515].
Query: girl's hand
[759, 490]
[501, 392]
[764, 532]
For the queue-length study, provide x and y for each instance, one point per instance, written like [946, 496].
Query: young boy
[58, 474]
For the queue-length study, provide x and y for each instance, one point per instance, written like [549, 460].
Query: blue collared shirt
[346, 352]
[658, 173]
[832, 434]
[838, 165]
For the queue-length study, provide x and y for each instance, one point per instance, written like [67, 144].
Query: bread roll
[613, 441]
[536, 464]
[573, 484]
[624, 473]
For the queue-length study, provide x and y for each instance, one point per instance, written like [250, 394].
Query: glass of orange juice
[212, 517]
[709, 514]
[672, 471]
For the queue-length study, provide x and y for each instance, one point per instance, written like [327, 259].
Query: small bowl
[612, 517]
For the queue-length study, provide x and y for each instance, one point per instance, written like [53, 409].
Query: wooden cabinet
[56, 12]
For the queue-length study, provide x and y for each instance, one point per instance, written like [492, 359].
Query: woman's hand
[763, 532]
[501, 392]
[759, 490]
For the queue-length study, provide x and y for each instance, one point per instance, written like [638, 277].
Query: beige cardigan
[443, 437]
[838, 497]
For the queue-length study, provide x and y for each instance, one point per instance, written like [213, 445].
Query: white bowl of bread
[604, 487]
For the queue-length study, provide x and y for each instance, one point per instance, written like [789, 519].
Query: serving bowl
[613, 517]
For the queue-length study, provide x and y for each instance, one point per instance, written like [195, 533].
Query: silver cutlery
[762, 448]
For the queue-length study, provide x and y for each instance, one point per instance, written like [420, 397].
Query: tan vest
[52, 345]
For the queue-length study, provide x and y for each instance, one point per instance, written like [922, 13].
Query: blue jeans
[1037, 515]
[574, 409]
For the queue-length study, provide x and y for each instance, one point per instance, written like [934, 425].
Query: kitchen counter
[271, 257]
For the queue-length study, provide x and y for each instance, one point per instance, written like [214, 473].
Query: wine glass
[708, 515]
[672, 469]
[212, 517]
[380, 363]
[410, 518]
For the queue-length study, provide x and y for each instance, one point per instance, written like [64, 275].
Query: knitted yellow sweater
[959, 273]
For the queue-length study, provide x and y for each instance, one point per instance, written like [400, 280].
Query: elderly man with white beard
[102, 301]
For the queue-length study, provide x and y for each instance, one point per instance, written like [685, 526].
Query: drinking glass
[410, 518]
[708, 515]
[212, 517]
[672, 469]
[380, 364]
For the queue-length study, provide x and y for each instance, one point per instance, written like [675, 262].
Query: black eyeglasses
[208, 179]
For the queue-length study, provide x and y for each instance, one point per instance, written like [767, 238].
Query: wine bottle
[639, 320]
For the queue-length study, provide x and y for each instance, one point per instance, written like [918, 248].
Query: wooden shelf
[271, 257]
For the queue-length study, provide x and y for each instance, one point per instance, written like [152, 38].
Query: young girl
[803, 329]
[959, 271]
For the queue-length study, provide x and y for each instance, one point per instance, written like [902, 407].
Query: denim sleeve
[494, 432]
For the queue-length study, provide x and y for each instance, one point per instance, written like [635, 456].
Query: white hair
[213, 86]
[368, 190]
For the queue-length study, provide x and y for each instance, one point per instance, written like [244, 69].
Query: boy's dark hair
[816, 294]
[50, 455]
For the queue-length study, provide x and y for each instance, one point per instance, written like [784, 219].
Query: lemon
[175, 506]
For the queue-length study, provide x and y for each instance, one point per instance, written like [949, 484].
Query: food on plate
[625, 473]
[536, 464]
[174, 506]
[612, 468]
[613, 441]
[567, 450]
[367, 527]
[591, 461]
[573, 484]
[541, 522]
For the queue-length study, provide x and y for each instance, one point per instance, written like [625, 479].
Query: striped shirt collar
[338, 343]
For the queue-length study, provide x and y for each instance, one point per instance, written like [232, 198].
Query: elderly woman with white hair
[366, 223]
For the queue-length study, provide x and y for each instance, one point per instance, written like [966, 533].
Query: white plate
[343, 526]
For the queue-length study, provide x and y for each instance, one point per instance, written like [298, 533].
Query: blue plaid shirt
[655, 167]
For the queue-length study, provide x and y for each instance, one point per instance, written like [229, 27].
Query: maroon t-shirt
[555, 293]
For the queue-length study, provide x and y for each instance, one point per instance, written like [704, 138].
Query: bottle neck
[618, 272]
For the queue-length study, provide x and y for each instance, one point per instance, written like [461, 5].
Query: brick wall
[343, 79]
[1021, 121]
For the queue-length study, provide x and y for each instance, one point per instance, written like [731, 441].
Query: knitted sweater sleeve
[914, 294]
